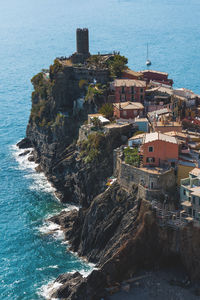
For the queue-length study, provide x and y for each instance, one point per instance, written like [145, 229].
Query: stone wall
[101, 76]
[153, 182]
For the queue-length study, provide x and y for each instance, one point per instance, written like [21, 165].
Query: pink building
[159, 149]
[128, 110]
[129, 90]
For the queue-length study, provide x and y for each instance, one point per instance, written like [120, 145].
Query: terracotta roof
[158, 112]
[158, 136]
[176, 133]
[162, 89]
[138, 136]
[186, 203]
[94, 115]
[129, 105]
[153, 71]
[129, 83]
[134, 73]
[195, 191]
[195, 172]
[168, 123]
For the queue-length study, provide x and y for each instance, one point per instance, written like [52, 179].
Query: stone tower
[82, 41]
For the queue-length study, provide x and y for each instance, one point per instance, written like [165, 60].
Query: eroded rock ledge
[120, 234]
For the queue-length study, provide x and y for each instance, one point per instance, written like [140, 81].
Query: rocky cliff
[119, 232]
[53, 131]
[114, 228]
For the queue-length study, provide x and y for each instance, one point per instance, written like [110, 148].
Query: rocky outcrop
[24, 143]
[119, 232]
[114, 227]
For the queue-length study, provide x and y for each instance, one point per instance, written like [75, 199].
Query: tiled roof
[195, 172]
[176, 133]
[162, 89]
[138, 136]
[129, 105]
[195, 191]
[153, 71]
[134, 73]
[158, 112]
[186, 203]
[129, 83]
[157, 136]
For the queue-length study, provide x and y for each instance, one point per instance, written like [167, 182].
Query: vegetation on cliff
[107, 110]
[42, 87]
[131, 156]
[55, 68]
[116, 63]
[95, 92]
[92, 148]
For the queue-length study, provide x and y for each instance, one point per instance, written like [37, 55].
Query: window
[150, 159]
[173, 164]
[184, 193]
[141, 90]
[151, 185]
[132, 90]
[193, 213]
[150, 149]
[132, 98]
[141, 97]
[123, 90]
[124, 113]
[193, 199]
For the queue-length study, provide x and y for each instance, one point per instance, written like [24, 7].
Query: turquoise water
[32, 34]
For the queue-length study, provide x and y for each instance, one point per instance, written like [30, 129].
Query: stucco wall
[129, 175]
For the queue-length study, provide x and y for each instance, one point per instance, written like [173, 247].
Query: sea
[32, 34]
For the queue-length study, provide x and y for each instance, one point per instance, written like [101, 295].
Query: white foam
[47, 290]
[71, 207]
[23, 161]
[49, 267]
[52, 228]
[40, 182]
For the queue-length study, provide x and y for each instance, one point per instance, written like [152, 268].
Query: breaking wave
[39, 180]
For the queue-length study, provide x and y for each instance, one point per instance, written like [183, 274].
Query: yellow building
[183, 169]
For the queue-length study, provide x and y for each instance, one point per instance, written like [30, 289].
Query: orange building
[159, 149]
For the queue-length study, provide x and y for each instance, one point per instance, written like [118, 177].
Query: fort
[82, 46]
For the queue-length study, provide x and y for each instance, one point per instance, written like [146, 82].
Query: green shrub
[56, 67]
[117, 65]
[107, 110]
[37, 109]
[91, 149]
[94, 91]
[131, 156]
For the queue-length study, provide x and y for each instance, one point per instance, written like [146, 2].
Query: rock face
[114, 228]
[119, 232]
[53, 130]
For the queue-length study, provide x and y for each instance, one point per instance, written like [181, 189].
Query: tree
[97, 123]
[107, 110]
[117, 65]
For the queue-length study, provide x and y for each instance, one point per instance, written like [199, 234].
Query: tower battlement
[82, 41]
